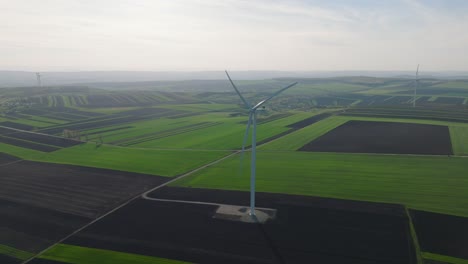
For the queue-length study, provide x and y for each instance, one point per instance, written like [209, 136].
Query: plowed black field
[42, 202]
[442, 234]
[5, 158]
[306, 230]
[384, 137]
[35, 141]
[76, 190]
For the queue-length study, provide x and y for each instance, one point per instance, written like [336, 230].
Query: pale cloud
[235, 34]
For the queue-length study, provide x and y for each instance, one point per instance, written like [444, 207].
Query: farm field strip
[411, 180]
[459, 140]
[35, 122]
[459, 136]
[165, 133]
[114, 119]
[14, 253]
[38, 138]
[141, 128]
[76, 255]
[452, 118]
[147, 161]
[449, 239]
[297, 139]
[27, 144]
[34, 140]
[443, 259]
[300, 137]
[57, 187]
[384, 137]
[201, 108]
[227, 135]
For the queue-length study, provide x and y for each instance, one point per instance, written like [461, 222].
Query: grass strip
[80, 255]
[444, 259]
[414, 236]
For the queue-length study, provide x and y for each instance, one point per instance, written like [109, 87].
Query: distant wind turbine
[416, 86]
[38, 77]
[253, 120]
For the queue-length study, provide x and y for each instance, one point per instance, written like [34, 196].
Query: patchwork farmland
[354, 174]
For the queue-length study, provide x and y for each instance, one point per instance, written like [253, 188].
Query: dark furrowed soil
[44, 139]
[384, 137]
[16, 125]
[31, 228]
[114, 119]
[65, 116]
[309, 121]
[76, 190]
[442, 234]
[5, 158]
[449, 100]
[41, 203]
[452, 118]
[26, 144]
[305, 231]
[8, 260]
[74, 111]
[35, 141]
[272, 199]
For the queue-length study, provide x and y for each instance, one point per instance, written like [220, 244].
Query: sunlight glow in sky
[305, 35]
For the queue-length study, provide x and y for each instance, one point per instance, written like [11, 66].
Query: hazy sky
[234, 34]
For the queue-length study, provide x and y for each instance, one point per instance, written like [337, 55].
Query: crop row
[165, 133]
[418, 113]
[114, 119]
[34, 141]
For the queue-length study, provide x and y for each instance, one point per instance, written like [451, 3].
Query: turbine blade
[237, 91]
[246, 135]
[417, 71]
[273, 95]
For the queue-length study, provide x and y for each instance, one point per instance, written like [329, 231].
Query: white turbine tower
[416, 86]
[253, 120]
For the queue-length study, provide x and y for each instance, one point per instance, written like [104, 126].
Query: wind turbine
[253, 120]
[416, 86]
[38, 77]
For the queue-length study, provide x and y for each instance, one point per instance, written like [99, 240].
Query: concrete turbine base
[242, 214]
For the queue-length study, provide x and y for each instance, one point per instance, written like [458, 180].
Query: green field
[436, 184]
[157, 162]
[459, 135]
[83, 255]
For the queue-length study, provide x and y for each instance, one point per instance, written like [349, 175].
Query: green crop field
[157, 162]
[459, 135]
[436, 184]
[227, 134]
[83, 255]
